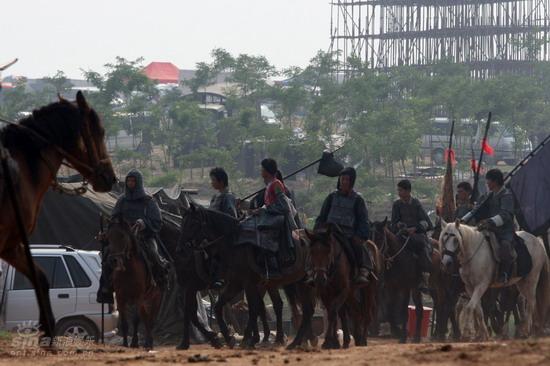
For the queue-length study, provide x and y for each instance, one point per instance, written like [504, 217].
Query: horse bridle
[329, 270]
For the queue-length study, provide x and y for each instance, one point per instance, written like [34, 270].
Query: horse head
[122, 241]
[379, 234]
[451, 240]
[322, 252]
[86, 152]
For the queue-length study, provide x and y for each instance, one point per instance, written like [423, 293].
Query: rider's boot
[506, 261]
[424, 285]
[217, 280]
[273, 270]
[105, 292]
[364, 262]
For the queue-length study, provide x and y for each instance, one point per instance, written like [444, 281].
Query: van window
[80, 278]
[54, 269]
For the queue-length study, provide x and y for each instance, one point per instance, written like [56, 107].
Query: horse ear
[443, 222]
[81, 102]
[61, 99]
[385, 222]
[457, 223]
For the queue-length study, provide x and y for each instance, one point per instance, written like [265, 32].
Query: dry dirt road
[502, 353]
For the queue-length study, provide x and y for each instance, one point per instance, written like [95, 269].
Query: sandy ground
[379, 352]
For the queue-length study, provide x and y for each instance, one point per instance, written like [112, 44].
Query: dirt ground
[379, 352]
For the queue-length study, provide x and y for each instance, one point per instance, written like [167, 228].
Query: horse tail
[543, 295]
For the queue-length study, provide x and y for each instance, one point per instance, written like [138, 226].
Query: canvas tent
[74, 220]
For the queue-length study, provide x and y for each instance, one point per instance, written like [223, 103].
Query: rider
[276, 203]
[408, 216]
[346, 208]
[143, 213]
[496, 213]
[463, 199]
[223, 201]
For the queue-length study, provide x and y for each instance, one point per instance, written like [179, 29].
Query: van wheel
[77, 328]
[438, 156]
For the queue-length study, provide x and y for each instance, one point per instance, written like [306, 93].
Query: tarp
[531, 189]
[74, 220]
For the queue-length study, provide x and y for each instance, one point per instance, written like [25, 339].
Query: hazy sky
[51, 35]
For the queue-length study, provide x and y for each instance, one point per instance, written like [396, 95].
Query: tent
[74, 220]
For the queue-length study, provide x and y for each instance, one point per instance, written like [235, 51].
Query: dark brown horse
[132, 281]
[201, 225]
[333, 273]
[38, 145]
[401, 278]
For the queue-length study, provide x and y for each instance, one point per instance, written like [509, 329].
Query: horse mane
[55, 122]
[227, 223]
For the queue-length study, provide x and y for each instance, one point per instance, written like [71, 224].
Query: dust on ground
[379, 352]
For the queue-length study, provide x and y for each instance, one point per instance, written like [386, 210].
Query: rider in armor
[275, 203]
[410, 218]
[347, 209]
[140, 210]
[223, 201]
[496, 214]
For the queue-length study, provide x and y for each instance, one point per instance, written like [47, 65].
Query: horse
[332, 274]
[200, 225]
[38, 145]
[132, 282]
[401, 278]
[478, 267]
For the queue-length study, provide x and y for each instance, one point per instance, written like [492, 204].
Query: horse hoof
[182, 346]
[292, 346]
[231, 342]
[134, 345]
[125, 344]
[280, 341]
[416, 340]
[215, 342]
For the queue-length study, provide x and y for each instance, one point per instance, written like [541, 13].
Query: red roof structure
[162, 72]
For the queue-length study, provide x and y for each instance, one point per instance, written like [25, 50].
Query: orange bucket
[411, 325]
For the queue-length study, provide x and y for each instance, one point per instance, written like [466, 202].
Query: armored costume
[496, 214]
[411, 214]
[140, 209]
[224, 201]
[349, 212]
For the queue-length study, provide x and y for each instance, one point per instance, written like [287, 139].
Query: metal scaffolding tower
[490, 36]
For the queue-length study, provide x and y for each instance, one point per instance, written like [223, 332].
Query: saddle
[522, 261]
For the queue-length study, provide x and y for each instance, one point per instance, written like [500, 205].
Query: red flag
[486, 147]
[450, 153]
[473, 165]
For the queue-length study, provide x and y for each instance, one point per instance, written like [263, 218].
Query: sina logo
[28, 328]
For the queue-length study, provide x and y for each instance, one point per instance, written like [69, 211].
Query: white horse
[478, 269]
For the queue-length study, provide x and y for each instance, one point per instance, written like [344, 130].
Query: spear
[293, 173]
[484, 148]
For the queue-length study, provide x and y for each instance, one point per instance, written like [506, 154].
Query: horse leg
[419, 310]
[404, 316]
[123, 312]
[305, 329]
[189, 308]
[263, 317]
[345, 326]
[277, 302]
[528, 288]
[17, 258]
[228, 293]
[475, 310]
[149, 313]
[208, 335]
[135, 327]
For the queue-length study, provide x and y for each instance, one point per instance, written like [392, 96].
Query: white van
[74, 280]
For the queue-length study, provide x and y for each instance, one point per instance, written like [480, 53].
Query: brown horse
[243, 273]
[132, 281]
[400, 277]
[333, 274]
[38, 145]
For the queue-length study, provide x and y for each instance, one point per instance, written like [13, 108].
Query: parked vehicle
[469, 134]
[74, 280]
